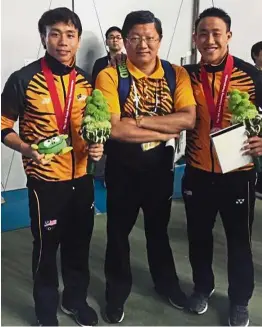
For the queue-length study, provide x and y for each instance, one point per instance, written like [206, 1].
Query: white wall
[246, 16]
[20, 41]
[109, 13]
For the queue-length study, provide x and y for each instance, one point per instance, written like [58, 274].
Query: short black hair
[113, 29]
[256, 48]
[59, 15]
[141, 17]
[214, 12]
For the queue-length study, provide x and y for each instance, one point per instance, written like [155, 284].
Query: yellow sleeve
[107, 83]
[183, 96]
[6, 123]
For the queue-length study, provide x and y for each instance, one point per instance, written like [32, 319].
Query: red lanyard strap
[216, 110]
[62, 116]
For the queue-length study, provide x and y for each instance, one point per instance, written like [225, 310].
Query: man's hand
[27, 151]
[254, 146]
[129, 121]
[162, 136]
[95, 151]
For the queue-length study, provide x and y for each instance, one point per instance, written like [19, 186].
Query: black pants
[259, 183]
[129, 190]
[61, 213]
[233, 196]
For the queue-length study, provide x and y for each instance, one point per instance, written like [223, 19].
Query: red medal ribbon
[216, 110]
[62, 116]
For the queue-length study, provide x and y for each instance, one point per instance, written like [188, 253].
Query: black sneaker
[198, 302]
[113, 314]
[238, 315]
[84, 315]
[176, 297]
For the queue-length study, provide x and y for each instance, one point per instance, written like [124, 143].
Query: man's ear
[79, 42]
[229, 36]
[42, 37]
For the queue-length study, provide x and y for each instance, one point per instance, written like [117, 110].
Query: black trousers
[61, 213]
[129, 190]
[259, 183]
[233, 196]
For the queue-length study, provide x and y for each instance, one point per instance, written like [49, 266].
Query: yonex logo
[240, 201]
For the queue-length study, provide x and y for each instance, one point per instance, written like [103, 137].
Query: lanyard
[216, 110]
[62, 117]
[137, 98]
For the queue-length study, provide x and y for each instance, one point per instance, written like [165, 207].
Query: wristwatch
[138, 121]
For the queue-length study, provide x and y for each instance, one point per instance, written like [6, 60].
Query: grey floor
[143, 307]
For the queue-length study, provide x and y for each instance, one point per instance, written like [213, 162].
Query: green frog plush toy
[52, 146]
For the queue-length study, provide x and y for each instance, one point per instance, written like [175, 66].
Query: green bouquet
[96, 126]
[244, 111]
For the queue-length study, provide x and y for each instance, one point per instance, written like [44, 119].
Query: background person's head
[114, 40]
[142, 33]
[256, 54]
[212, 34]
[60, 31]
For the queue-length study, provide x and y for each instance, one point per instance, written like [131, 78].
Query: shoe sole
[71, 314]
[175, 305]
[206, 307]
[201, 312]
[118, 322]
[164, 297]
[247, 324]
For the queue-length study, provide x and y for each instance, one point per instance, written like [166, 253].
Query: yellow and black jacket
[245, 77]
[26, 96]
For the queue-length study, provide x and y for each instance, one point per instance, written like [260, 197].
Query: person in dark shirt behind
[256, 54]
[115, 44]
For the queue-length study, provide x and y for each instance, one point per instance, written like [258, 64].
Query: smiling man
[150, 101]
[48, 97]
[206, 190]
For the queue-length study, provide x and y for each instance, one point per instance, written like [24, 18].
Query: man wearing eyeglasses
[114, 42]
[139, 172]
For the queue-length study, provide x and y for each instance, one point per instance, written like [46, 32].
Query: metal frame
[196, 4]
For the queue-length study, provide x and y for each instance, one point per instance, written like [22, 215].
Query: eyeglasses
[136, 40]
[112, 38]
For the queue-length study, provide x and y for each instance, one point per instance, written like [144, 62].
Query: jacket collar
[57, 67]
[216, 68]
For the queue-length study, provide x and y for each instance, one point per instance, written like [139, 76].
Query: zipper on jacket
[211, 125]
[70, 132]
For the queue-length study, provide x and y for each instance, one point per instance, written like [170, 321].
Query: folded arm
[173, 123]
[128, 132]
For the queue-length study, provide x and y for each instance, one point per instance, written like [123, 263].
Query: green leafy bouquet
[96, 126]
[244, 111]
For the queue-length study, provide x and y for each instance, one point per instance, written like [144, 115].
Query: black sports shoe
[114, 314]
[176, 297]
[83, 314]
[198, 302]
[238, 315]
